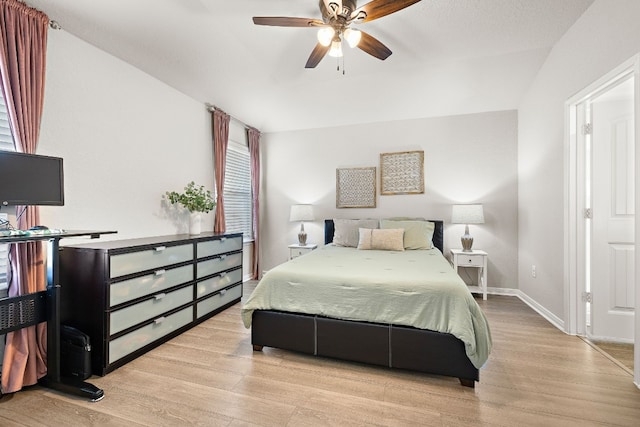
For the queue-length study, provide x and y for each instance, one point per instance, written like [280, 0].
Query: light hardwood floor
[208, 376]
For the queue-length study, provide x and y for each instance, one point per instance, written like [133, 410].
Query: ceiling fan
[335, 25]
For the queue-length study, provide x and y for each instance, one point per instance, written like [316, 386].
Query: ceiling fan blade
[379, 8]
[373, 46]
[316, 55]
[287, 21]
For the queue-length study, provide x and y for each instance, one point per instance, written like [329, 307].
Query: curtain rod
[211, 107]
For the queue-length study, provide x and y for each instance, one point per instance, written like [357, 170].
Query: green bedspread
[416, 288]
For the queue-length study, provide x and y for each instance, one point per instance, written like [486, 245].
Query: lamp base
[302, 236]
[467, 240]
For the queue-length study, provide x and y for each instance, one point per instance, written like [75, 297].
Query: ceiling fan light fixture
[325, 35]
[336, 49]
[352, 37]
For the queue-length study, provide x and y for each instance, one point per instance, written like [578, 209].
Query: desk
[46, 307]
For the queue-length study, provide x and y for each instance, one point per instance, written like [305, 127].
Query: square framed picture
[356, 187]
[402, 173]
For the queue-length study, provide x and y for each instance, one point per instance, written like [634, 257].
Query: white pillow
[346, 230]
[417, 234]
[385, 240]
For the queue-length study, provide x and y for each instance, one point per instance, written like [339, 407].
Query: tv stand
[45, 306]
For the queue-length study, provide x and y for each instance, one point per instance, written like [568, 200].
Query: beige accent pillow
[385, 240]
[346, 230]
[417, 234]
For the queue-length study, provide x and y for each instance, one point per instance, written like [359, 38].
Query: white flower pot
[195, 223]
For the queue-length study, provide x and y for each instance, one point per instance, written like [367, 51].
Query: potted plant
[196, 199]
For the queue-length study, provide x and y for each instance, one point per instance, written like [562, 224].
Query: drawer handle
[159, 320]
[159, 272]
[159, 248]
[224, 273]
[223, 257]
[159, 296]
[222, 292]
[223, 239]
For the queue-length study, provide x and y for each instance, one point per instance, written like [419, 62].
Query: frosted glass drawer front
[137, 339]
[471, 261]
[219, 246]
[212, 284]
[160, 256]
[216, 265]
[225, 296]
[149, 284]
[148, 309]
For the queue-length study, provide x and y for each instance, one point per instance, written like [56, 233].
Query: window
[237, 186]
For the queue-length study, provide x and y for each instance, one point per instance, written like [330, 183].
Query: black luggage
[75, 353]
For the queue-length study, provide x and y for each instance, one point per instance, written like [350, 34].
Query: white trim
[574, 261]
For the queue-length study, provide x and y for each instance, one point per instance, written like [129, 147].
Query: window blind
[237, 190]
[6, 138]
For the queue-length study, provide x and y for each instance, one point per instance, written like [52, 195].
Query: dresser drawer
[223, 297]
[219, 246]
[470, 260]
[212, 284]
[216, 265]
[148, 284]
[122, 319]
[137, 339]
[160, 256]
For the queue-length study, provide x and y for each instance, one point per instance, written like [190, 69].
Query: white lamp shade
[352, 37]
[301, 213]
[325, 35]
[467, 214]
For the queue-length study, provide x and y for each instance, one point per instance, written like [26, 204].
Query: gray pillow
[346, 231]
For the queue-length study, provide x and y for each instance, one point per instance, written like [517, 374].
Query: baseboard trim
[546, 314]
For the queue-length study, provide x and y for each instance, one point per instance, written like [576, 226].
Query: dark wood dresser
[130, 296]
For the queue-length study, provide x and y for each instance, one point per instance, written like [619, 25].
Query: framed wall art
[402, 173]
[356, 187]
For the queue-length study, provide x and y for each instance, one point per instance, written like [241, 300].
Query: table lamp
[467, 214]
[301, 213]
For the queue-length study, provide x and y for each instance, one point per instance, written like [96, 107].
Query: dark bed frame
[394, 346]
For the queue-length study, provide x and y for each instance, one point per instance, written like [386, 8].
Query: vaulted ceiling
[449, 56]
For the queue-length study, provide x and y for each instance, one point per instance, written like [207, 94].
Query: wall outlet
[533, 271]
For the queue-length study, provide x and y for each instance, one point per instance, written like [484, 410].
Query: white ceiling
[449, 56]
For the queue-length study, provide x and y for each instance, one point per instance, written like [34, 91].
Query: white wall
[604, 37]
[468, 158]
[125, 137]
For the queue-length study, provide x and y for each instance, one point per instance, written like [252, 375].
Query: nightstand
[476, 259]
[297, 250]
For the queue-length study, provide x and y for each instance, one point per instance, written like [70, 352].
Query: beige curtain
[254, 155]
[23, 46]
[220, 121]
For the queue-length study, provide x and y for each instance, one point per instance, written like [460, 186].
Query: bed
[424, 319]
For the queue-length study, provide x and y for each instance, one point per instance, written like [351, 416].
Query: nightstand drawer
[471, 260]
[299, 251]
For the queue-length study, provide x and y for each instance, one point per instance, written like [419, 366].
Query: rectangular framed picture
[356, 187]
[402, 173]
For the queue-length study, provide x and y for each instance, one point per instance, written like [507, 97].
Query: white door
[613, 208]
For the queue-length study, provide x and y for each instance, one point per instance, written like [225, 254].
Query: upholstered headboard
[438, 233]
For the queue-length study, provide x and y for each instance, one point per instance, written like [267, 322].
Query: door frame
[574, 235]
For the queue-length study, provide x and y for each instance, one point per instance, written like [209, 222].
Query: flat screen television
[30, 179]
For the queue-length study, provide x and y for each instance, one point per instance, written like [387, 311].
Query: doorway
[600, 244]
